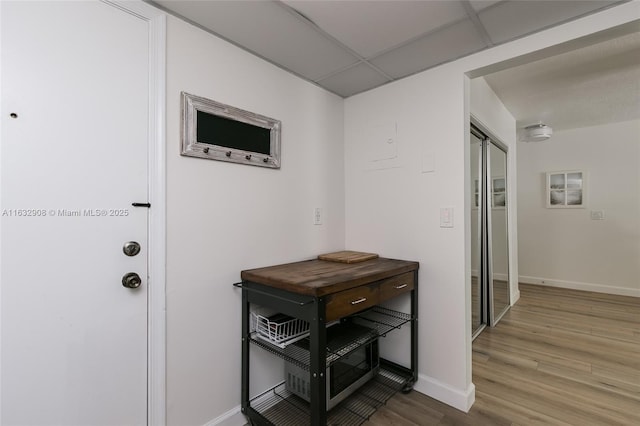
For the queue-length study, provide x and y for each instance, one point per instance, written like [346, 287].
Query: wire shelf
[382, 320]
[282, 408]
[377, 320]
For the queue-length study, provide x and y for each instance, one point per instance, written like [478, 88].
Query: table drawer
[350, 301]
[392, 287]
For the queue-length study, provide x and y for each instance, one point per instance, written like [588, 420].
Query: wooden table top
[320, 277]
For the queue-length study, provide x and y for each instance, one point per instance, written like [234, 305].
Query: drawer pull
[362, 299]
[398, 287]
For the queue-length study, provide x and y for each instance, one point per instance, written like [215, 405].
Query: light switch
[317, 216]
[446, 217]
[597, 214]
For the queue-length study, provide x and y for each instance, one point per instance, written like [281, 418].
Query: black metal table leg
[414, 333]
[245, 352]
[318, 355]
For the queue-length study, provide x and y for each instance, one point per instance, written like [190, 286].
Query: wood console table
[319, 292]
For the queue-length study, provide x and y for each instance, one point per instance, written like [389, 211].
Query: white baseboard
[459, 399]
[575, 285]
[496, 275]
[501, 277]
[515, 297]
[233, 417]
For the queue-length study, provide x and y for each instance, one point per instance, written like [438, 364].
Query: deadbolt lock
[131, 248]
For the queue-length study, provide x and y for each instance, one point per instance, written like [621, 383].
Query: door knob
[131, 280]
[131, 248]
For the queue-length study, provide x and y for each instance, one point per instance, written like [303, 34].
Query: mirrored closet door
[477, 322]
[498, 273]
[489, 231]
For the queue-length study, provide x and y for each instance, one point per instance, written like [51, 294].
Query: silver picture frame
[566, 189]
[192, 147]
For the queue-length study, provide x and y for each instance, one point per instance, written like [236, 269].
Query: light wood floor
[558, 357]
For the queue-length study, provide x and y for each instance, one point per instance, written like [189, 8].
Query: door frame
[156, 283]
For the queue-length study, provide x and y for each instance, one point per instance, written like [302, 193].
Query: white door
[74, 157]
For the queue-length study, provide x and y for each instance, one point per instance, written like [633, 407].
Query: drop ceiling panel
[354, 80]
[512, 19]
[269, 31]
[326, 41]
[449, 43]
[479, 5]
[374, 26]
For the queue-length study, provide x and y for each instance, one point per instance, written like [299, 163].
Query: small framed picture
[476, 194]
[566, 189]
[498, 193]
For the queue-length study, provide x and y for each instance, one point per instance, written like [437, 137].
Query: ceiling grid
[348, 47]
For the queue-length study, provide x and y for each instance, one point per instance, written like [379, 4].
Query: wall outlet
[597, 214]
[317, 216]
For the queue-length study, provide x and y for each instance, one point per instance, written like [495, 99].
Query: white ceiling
[593, 85]
[349, 47]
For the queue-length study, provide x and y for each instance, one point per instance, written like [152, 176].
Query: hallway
[558, 357]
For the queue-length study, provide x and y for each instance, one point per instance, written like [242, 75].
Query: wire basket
[279, 329]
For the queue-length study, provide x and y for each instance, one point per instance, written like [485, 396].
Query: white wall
[223, 218]
[400, 199]
[393, 205]
[564, 247]
[489, 113]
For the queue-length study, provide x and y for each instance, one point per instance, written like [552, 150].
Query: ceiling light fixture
[536, 133]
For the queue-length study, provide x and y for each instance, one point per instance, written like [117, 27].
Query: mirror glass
[476, 290]
[499, 244]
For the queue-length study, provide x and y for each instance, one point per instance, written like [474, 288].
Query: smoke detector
[536, 133]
